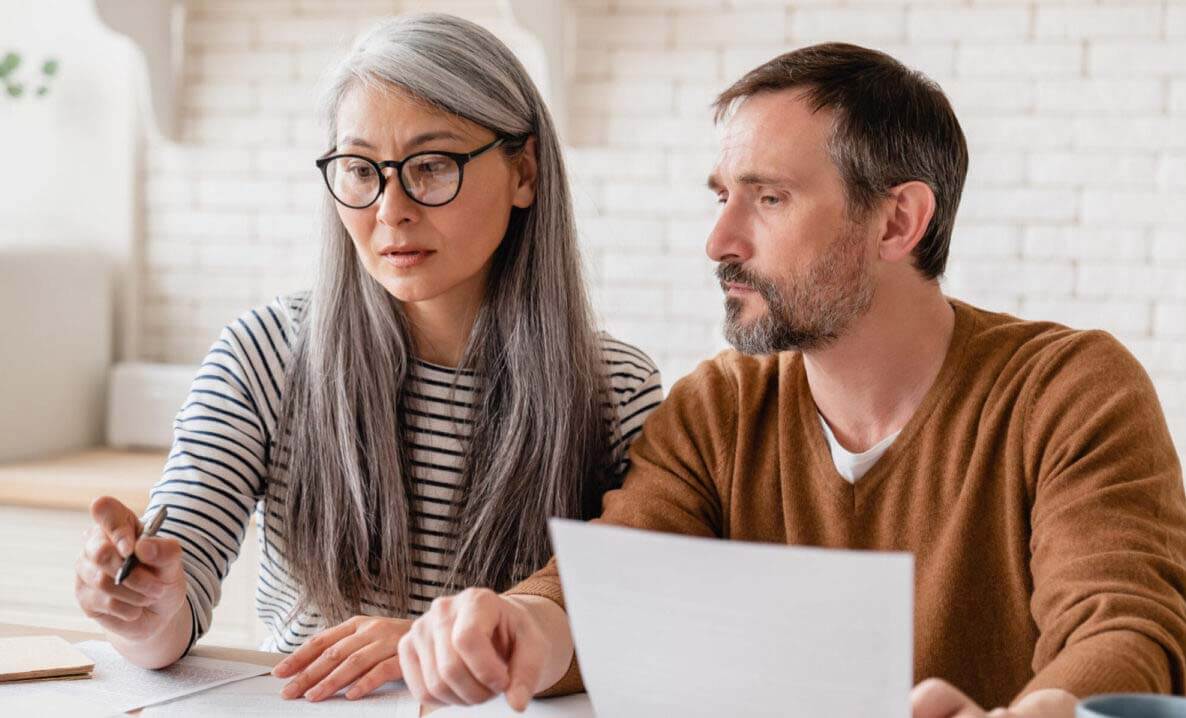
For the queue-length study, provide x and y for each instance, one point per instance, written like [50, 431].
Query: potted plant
[14, 87]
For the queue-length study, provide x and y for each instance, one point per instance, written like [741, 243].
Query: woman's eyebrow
[357, 142]
[416, 141]
[434, 135]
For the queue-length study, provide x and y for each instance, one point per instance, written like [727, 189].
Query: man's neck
[870, 382]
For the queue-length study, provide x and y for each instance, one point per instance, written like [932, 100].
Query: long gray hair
[538, 446]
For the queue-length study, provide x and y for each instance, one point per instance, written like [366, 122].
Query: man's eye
[721, 198]
[769, 200]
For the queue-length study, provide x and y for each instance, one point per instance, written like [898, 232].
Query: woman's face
[421, 253]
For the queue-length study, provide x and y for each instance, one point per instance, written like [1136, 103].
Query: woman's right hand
[149, 597]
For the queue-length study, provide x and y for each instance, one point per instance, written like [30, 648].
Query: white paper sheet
[260, 698]
[672, 625]
[577, 706]
[117, 686]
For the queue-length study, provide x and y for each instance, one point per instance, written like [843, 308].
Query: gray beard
[804, 315]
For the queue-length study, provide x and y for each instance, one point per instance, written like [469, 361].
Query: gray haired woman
[405, 429]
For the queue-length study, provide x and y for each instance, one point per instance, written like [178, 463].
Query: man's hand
[473, 646]
[360, 650]
[934, 698]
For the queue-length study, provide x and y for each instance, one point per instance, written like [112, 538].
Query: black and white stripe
[224, 462]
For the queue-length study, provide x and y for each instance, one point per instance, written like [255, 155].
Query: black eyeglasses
[430, 178]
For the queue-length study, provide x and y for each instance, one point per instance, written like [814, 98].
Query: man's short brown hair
[892, 125]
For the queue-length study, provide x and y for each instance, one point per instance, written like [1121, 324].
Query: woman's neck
[441, 326]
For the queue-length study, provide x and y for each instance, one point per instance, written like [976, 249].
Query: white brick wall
[1075, 112]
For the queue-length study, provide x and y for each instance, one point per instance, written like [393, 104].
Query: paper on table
[51, 706]
[117, 686]
[673, 625]
[577, 706]
[260, 697]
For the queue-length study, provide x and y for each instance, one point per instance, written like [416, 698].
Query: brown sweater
[1036, 486]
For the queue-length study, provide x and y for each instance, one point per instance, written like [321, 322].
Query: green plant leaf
[41, 91]
[16, 90]
[10, 62]
[50, 67]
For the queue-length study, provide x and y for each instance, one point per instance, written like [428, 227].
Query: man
[1026, 466]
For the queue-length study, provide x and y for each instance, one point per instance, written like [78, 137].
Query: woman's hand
[361, 650]
[150, 597]
[934, 698]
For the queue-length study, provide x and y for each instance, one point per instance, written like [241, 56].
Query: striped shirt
[223, 464]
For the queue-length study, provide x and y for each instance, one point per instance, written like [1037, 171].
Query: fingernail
[148, 551]
[517, 696]
[313, 694]
[125, 547]
[352, 694]
[290, 691]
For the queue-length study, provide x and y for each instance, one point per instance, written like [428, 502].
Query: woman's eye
[431, 167]
[361, 171]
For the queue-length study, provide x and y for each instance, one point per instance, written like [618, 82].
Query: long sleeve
[684, 449]
[1108, 525]
[215, 472]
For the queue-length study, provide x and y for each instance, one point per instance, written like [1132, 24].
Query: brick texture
[1075, 114]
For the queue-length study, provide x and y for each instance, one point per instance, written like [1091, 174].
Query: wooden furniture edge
[72, 481]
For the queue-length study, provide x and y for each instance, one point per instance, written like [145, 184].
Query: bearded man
[1026, 466]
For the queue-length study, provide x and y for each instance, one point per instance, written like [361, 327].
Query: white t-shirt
[853, 466]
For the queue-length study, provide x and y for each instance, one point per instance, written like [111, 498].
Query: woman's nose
[395, 206]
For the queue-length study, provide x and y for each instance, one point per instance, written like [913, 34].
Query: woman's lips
[406, 260]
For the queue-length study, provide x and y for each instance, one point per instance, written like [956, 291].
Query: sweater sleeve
[215, 472]
[678, 466]
[1108, 522]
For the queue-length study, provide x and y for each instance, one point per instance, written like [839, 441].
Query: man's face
[796, 268]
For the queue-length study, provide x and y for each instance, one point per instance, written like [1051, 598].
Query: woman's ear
[911, 207]
[526, 172]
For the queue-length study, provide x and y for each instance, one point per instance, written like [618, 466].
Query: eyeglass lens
[431, 178]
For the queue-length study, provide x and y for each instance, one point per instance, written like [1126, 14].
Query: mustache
[734, 273]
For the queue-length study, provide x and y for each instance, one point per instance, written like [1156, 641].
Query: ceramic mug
[1131, 705]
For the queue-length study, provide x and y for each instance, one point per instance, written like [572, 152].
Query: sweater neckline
[860, 491]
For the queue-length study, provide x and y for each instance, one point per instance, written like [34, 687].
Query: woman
[406, 429]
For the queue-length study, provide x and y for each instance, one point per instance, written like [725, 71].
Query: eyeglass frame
[460, 158]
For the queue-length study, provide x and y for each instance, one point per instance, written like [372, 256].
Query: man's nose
[729, 239]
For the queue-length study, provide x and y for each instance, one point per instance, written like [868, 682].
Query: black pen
[131, 561]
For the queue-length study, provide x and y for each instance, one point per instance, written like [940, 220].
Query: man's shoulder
[1043, 351]
[731, 376]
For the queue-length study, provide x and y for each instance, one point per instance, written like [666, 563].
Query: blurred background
[158, 180]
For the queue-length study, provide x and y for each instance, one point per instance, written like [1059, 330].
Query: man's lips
[735, 289]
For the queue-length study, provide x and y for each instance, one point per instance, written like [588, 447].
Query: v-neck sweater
[1036, 485]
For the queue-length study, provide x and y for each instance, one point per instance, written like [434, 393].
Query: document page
[564, 707]
[260, 698]
[674, 625]
[117, 686]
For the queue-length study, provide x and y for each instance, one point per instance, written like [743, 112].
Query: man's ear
[910, 207]
[526, 168]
